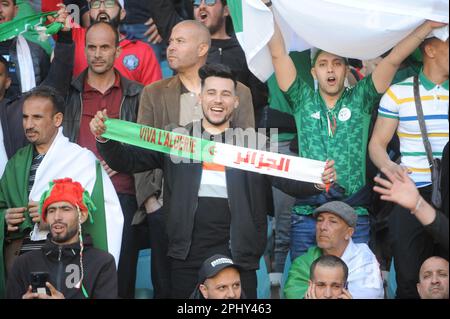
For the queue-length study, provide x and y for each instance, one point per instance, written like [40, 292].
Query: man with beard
[174, 101]
[209, 209]
[225, 48]
[136, 62]
[100, 87]
[86, 272]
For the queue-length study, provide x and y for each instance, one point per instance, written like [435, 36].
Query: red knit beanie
[63, 190]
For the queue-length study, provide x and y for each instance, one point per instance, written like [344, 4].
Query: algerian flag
[26, 9]
[81, 165]
[361, 29]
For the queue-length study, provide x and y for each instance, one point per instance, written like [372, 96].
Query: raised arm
[285, 70]
[385, 71]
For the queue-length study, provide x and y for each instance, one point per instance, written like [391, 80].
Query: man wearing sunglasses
[137, 61]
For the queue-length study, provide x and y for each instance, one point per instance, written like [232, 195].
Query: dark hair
[49, 93]
[328, 261]
[217, 70]
[5, 63]
[424, 44]
[96, 23]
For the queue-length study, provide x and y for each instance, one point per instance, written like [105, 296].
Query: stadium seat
[263, 280]
[144, 287]
[287, 266]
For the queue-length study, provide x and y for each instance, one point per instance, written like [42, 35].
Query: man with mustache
[11, 104]
[208, 208]
[174, 101]
[137, 60]
[101, 86]
[433, 279]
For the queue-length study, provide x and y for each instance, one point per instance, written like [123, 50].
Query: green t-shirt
[340, 134]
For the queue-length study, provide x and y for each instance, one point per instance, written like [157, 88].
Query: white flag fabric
[66, 159]
[360, 29]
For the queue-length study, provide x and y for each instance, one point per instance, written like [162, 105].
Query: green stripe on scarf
[176, 144]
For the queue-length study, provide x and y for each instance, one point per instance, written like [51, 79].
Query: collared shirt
[364, 275]
[190, 109]
[340, 134]
[399, 103]
[93, 101]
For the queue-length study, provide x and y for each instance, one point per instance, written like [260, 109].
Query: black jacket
[62, 263]
[72, 116]
[41, 66]
[247, 197]
[438, 229]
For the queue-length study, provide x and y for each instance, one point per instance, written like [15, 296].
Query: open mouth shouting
[103, 17]
[203, 16]
[331, 80]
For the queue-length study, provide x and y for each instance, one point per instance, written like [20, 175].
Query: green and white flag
[30, 23]
[360, 29]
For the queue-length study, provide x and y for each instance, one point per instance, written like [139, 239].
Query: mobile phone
[38, 280]
[346, 285]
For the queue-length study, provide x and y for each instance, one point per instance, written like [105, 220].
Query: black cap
[213, 265]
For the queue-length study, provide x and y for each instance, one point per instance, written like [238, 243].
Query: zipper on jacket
[221, 55]
[60, 270]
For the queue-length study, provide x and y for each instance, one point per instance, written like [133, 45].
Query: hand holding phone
[38, 280]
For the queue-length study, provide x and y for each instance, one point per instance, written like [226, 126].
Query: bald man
[174, 101]
[433, 279]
